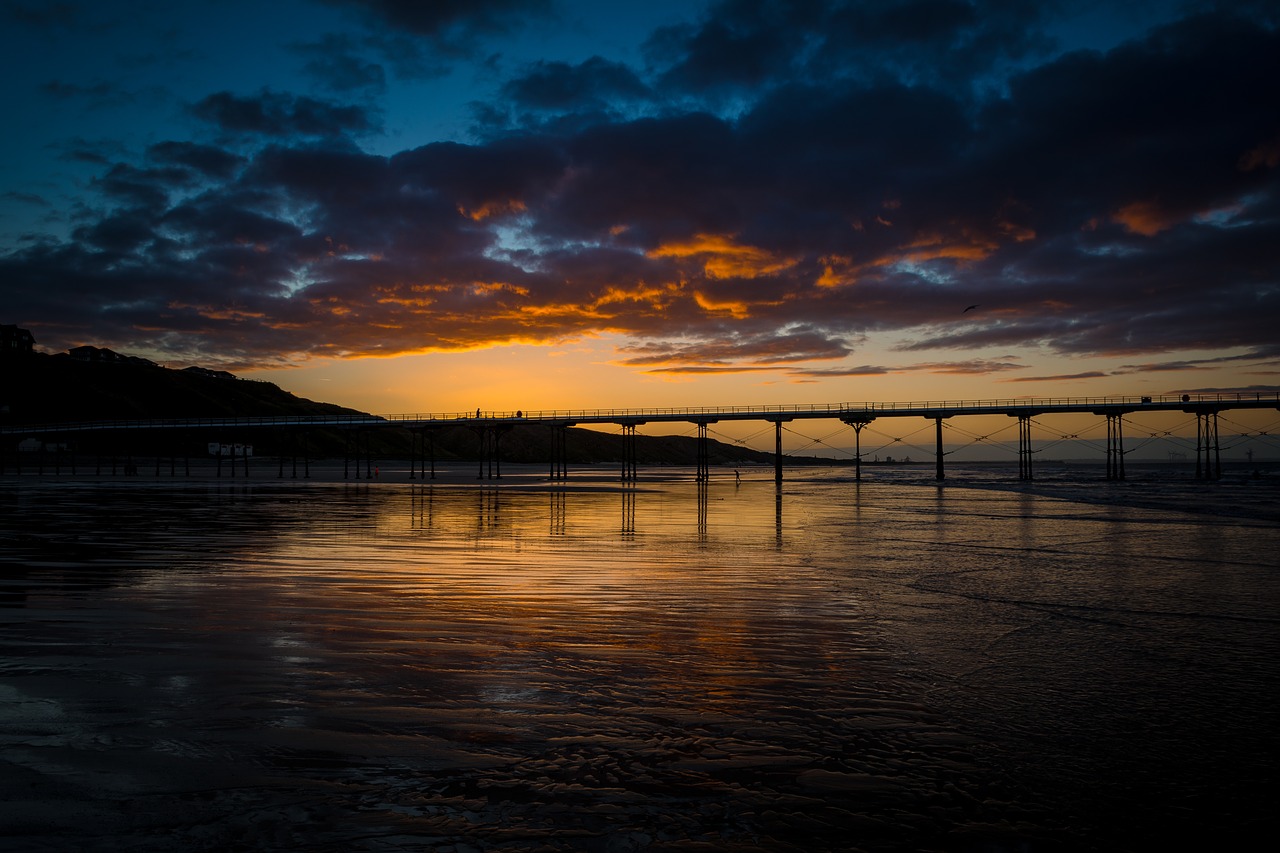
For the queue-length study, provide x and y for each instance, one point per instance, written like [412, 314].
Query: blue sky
[651, 202]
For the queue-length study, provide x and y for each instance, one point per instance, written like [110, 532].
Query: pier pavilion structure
[491, 426]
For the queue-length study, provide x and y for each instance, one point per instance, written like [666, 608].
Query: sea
[518, 664]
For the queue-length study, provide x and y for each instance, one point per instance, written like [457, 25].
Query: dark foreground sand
[269, 665]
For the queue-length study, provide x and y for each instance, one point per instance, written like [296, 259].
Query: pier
[491, 426]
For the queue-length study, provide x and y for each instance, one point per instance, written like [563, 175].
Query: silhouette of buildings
[16, 342]
[103, 355]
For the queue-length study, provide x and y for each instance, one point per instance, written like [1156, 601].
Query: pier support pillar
[1115, 446]
[857, 425]
[498, 432]
[1208, 452]
[941, 471]
[777, 450]
[559, 452]
[1024, 448]
[482, 432]
[704, 458]
[490, 451]
[629, 473]
[422, 446]
[415, 454]
[431, 451]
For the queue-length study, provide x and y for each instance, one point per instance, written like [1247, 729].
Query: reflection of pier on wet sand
[56, 441]
[593, 666]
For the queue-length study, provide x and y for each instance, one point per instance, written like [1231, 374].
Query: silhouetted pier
[491, 426]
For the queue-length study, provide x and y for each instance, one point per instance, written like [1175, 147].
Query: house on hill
[209, 374]
[105, 356]
[16, 341]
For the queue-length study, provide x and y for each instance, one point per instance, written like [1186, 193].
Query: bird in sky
[967, 310]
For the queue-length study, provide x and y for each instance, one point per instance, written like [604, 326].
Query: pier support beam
[704, 456]
[777, 450]
[941, 471]
[1208, 452]
[1024, 448]
[857, 424]
[629, 467]
[1115, 446]
[559, 451]
[490, 451]
[483, 432]
[498, 432]
[422, 446]
[352, 450]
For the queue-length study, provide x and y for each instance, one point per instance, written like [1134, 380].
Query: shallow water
[984, 665]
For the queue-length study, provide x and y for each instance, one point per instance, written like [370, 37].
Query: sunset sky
[429, 207]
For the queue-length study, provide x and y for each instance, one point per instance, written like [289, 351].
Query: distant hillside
[102, 385]
[42, 388]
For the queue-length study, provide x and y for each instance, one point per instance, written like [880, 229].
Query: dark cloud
[746, 45]
[119, 234]
[740, 44]
[1239, 391]
[419, 40]
[280, 114]
[26, 198]
[442, 17]
[1159, 367]
[338, 64]
[146, 188]
[595, 85]
[760, 349]
[1124, 203]
[934, 42]
[1061, 377]
[208, 160]
[972, 367]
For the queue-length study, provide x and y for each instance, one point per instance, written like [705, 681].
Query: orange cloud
[487, 288]
[837, 272]
[493, 208]
[1145, 217]
[658, 297]
[1019, 233]
[734, 308]
[722, 257]
[932, 246]
[210, 312]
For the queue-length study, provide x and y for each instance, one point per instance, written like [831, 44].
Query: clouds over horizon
[779, 181]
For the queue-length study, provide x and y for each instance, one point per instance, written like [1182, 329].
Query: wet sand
[347, 666]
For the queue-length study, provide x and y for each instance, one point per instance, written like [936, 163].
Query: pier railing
[773, 412]
[835, 410]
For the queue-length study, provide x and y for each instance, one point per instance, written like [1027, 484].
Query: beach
[520, 665]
